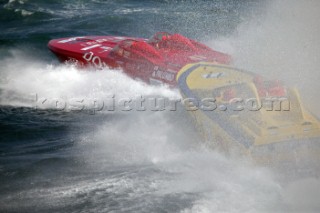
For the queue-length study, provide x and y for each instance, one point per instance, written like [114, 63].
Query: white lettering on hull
[91, 47]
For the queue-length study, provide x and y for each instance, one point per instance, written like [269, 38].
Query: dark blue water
[66, 161]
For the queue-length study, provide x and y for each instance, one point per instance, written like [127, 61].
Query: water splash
[281, 43]
[23, 78]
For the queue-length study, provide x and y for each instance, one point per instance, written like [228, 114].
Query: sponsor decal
[101, 40]
[213, 75]
[96, 41]
[169, 76]
[91, 43]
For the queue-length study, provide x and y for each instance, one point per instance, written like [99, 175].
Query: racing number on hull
[94, 60]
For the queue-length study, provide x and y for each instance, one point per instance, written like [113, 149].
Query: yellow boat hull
[289, 138]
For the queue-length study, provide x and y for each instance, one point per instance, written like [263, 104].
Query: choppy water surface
[67, 161]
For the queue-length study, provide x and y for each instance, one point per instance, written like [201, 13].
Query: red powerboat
[156, 60]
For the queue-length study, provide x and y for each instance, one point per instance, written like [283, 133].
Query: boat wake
[152, 161]
[26, 81]
[141, 160]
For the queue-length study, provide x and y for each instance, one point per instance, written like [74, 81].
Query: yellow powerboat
[239, 111]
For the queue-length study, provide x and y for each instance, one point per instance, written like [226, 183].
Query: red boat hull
[154, 61]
